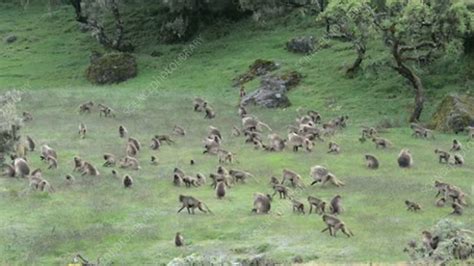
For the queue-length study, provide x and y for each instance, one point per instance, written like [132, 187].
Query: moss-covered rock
[259, 68]
[455, 113]
[112, 68]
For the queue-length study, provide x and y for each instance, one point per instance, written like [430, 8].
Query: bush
[112, 68]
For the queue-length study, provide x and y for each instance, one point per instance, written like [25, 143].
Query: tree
[10, 122]
[418, 32]
[90, 13]
[351, 20]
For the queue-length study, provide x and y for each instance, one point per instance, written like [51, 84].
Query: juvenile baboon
[109, 160]
[456, 145]
[123, 132]
[88, 169]
[381, 143]
[253, 124]
[372, 162]
[178, 130]
[321, 174]
[31, 143]
[179, 240]
[131, 150]
[239, 175]
[235, 131]
[129, 162]
[178, 172]
[274, 181]
[214, 131]
[8, 170]
[70, 179]
[210, 114]
[293, 177]
[334, 224]
[336, 205]
[189, 181]
[106, 111]
[47, 151]
[201, 179]
[82, 130]
[135, 142]
[177, 180]
[334, 148]
[318, 204]
[412, 206]
[405, 159]
[441, 202]
[252, 136]
[199, 104]
[457, 208]
[297, 206]
[22, 169]
[27, 116]
[242, 111]
[191, 203]
[220, 190]
[281, 190]
[78, 162]
[421, 132]
[86, 107]
[40, 184]
[261, 203]
[165, 138]
[458, 160]
[154, 160]
[127, 181]
[52, 162]
[276, 143]
[297, 141]
[443, 156]
[155, 144]
[225, 156]
[430, 243]
[216, 178]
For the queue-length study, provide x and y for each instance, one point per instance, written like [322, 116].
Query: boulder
[301, 45]
[10, 39]
[454, 113]
[111, 68]
[260, 67]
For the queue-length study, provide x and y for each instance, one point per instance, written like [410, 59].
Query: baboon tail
[207, 208]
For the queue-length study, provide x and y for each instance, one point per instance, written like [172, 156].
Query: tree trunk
[360, 49]
[415, 81]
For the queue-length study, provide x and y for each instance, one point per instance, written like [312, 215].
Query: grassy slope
[96, 214]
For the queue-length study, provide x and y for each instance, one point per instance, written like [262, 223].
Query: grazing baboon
[334, 224]
[443, 156]
[220, 190]
[123, 132]
[47, 151]
[52, 162]
[199, 104]
[27, 116]
[86, 107]
[458, 160]
[127, 181]
[210, 114]
[318, 204]
[293, 177]
[70, 179]
[201, 179]
[372, 162]
[191, 203]
[321, 174]
[381, 143]
[178, 172]
[430, 243]
[235, 131]
[165, 138]
[242, 111]
[179, 240]
[281, 190]
[88, 169]
[252, 136]
[154, 160]
[441, 202]
[276, 143]
[178, 130]
[334, 148]
[261, 203]
[22, 169]
[189, 181]
[31, 143]
[457, 208]
[405, 159]
[8, 170]
[40, 184]
[315, 116]
[421, 132]
[131, 149]
[135, 142]
[456, 145]
[253, 124]
[336, 205]
[155, 144]
[177, 180]
[105, 110]
[450, 191]
[109, 160]
[225, 156]
[297, 141]
[298, 206]
[239, 175]
[412, 206]
[78, 162]
[129, 162]
[216, 178]
[82, 130]
[214, 131]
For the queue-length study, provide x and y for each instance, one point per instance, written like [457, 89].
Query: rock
[10, 39]
[455, 113]
[112, 68]
[301, 45]
[260, 67]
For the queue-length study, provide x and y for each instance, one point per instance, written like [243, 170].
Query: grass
[98, 218]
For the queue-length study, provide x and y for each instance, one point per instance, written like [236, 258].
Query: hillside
[98, 218]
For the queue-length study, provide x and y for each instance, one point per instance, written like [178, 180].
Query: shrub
[112, 68]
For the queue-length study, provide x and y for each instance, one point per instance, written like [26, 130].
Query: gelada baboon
[47, 151]
[153, 160]
[179, 240]
[276, 143]
[199, 104]
[261, 203]
[225, 156]
[281, 190]
[220, 190]
[131, 150]
[77, 164]
[334, 224]
[178, 130]
[429, 242]
[88, 169]
[334, 148]
[458, 160]
[296, 141]
[135, 142]
[109, 160]
[210, 114]
[242, 111]
[298, 206]
[235, 131]
[441, 202]
[41, 184]
[155, 144]
[52, 162]
[27, 116]
[450, 191]
[127, 181]
[86, 107]
[336, 205]
[381, 143]
[405, 159]
[105, 110]
[470, 132]
[22, 169]
[165, 138]
[443, 156]
[274, 181]
[318, 204]
[191, 203]
[129, 162]
[189, 181]
[456, 145]
[253, 124]
[412, 206]
[31, 143]
[372, 162]
[82, 130]
[201, 179]
[321, 174]
[293, 177]
[457, 208]
[8, 170]
[214, 131]
[239, 175]
[123, 132]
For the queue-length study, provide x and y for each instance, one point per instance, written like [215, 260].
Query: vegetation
[98, 218]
